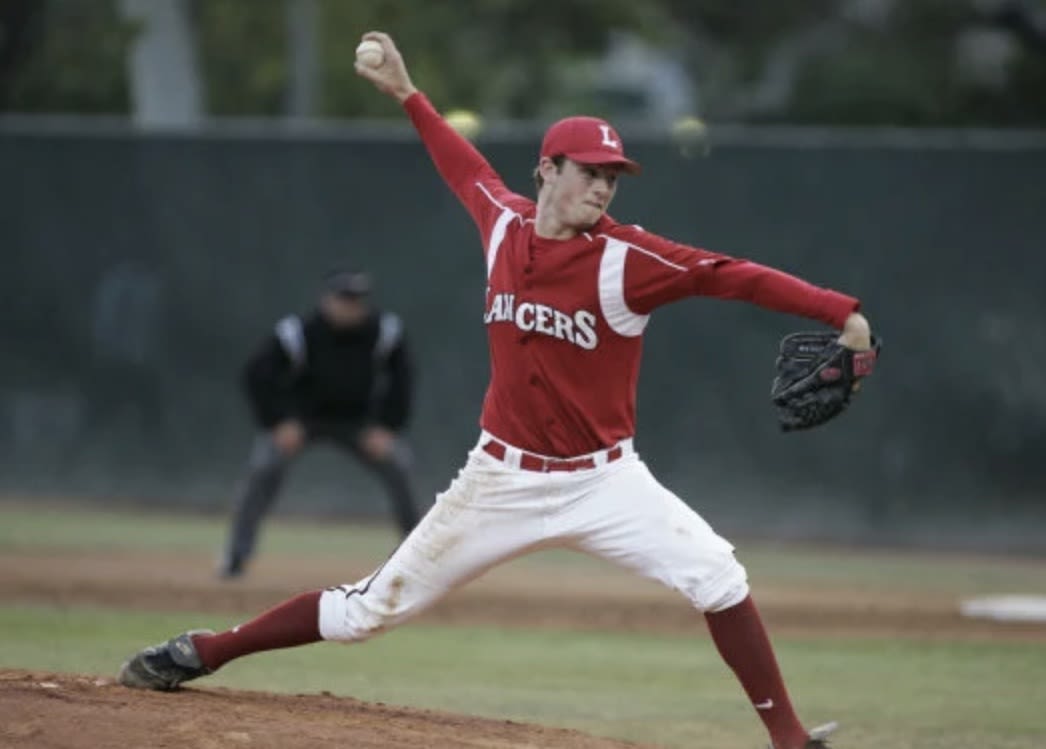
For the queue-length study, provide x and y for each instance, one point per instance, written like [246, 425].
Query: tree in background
[897, 62]
[64, 56]
[18, 26]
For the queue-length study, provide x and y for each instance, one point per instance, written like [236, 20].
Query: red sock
[742, 641]
[293, 622]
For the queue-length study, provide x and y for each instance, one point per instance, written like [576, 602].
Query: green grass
[668, 690]
[893, 570]
[79, 529]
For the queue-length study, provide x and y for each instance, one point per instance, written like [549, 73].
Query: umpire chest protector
[337, 372]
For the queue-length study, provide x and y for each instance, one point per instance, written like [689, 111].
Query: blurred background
[175, 175]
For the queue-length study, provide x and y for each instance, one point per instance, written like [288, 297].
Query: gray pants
[267, 468]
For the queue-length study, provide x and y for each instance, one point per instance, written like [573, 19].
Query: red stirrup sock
[293, 622]
[742, 641]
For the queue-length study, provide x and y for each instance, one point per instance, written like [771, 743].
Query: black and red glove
[817, 377]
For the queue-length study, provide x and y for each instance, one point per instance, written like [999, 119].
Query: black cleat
[165, 666]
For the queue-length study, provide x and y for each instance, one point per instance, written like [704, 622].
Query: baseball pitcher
[569, 293]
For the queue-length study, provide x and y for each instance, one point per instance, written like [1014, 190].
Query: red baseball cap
[586, 140]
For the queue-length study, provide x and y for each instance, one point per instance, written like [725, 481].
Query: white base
[1008, 608]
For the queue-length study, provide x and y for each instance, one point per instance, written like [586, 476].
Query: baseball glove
[816, 378]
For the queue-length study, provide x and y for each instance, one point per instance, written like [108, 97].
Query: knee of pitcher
[354, 614]
[727, 588]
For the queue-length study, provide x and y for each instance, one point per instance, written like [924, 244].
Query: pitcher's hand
[857, 333]
[391, 77]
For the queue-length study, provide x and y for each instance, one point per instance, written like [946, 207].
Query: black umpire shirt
[311, 371]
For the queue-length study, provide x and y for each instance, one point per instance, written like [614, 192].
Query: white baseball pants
[495, 511]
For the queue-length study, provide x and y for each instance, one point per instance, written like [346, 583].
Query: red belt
[531, 462]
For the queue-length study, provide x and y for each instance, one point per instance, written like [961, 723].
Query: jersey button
[535, 380]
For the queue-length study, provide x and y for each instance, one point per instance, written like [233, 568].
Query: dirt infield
[585, 598]
[45, 710]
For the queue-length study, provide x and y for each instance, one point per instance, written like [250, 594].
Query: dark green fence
[139, 271]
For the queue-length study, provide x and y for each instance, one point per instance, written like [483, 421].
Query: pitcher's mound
[68, 710]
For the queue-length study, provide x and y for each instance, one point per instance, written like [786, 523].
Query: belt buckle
[568, 465]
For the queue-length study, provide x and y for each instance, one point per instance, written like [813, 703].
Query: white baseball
[370, 53]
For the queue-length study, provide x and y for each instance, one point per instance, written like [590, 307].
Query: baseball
[370, 53]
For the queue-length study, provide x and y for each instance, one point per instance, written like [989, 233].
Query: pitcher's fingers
[366, 71]
[381, 38]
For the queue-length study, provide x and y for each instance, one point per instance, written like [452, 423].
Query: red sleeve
[659, 271]
[462, 167]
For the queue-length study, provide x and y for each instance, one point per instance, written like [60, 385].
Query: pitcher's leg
[744, 645]
[266, 469]
[481, 520]
[472, 527]
[289, 624]
[632, 520]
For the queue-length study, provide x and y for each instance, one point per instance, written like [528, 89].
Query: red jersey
[565, 318]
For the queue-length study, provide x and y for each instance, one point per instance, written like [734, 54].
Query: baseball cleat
[165, 666]
[818, 738]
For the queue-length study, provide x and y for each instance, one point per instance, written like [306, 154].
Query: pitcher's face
[580, 194]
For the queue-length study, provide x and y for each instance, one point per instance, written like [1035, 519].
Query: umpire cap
[347, 283]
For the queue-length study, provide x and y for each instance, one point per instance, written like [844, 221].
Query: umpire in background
[341, 374]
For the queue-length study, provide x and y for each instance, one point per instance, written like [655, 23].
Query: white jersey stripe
[619, 317]
[497, 235]
[490, 197]
[647, 252]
